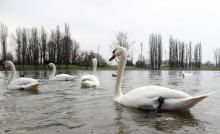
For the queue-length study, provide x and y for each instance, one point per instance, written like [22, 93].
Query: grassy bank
[73, 67]
[76, 67]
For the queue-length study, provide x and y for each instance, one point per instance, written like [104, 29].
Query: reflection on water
[167, 121]
[63, 107]
[119, 119]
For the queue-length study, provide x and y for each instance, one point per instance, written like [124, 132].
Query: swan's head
[7, 64]
[117, 52]
[51, 65]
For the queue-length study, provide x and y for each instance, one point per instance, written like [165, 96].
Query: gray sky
[96, 22]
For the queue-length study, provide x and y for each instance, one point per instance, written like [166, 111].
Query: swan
[20, 83]
[90, 80]
[186, 74]
[59, 77]
[150, 97]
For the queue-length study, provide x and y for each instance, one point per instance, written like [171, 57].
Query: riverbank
[72, 67]
[76, 67]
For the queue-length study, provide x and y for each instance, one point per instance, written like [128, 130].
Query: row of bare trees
[181, 55]
[197, 56]
[155, 51]
[34, 46]
[3, 39]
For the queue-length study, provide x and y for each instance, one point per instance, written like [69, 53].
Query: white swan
[20, 83]
[185, 74]
[90, 80]
[59, 77]
[150, 97]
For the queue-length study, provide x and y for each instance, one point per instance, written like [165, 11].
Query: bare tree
[24, 46]
[34, 47]
[18, 40]
[155, 54]
[122, 40]
[217, 58]
[43, 44]
[75, 52]
[68, 45]
[3, 38]
[58, 46]
[52, 47]
[86, 58]
[190, 55]
[197, 56]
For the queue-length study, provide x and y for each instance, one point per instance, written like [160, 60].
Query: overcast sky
[97, 22]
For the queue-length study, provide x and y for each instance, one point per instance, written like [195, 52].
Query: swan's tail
[184, 103]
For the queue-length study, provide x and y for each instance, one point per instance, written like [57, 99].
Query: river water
[62, 107]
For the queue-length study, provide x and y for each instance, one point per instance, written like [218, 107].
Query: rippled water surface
[63, 107]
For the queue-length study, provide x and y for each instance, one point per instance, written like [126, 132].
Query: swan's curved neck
[13, 75]
[53, 72]
[121, 68]
[94, 67]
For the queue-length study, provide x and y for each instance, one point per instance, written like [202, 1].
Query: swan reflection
[167, 121]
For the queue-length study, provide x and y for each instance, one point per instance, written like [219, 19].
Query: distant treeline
[217, 58]
[181, 55]
[35, 46]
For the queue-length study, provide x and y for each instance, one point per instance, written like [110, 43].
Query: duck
[23, 83]
[90, 80]
[150, 97]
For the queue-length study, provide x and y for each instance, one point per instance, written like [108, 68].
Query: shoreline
[76, 67]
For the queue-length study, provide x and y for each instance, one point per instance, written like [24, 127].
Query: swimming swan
[150, 97]
[90, 80]
[59, 77]
[20, 83]
[186, 74]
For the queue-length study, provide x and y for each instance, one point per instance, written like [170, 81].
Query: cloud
[97, 22]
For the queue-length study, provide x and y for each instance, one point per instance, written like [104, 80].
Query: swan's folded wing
[64, 77]
[89, 78]
[33, 86]
[138, 102]
[23, 83]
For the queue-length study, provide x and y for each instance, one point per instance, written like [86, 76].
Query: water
[63, 107]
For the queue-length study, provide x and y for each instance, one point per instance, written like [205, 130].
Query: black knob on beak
[113, 56]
